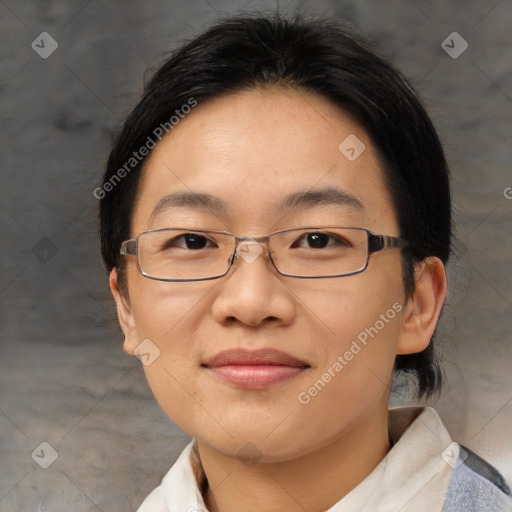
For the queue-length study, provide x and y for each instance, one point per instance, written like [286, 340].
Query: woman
[276, 221]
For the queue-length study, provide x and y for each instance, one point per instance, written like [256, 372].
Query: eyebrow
[189, 200]
[297, 200]
[326, 196]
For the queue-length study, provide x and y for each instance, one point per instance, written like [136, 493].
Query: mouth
[254, 369]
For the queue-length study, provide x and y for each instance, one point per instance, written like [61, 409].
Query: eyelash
[337, 240]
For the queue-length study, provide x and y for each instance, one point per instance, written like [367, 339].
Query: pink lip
[255, 369]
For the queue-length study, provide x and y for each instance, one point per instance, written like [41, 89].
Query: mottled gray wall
[63, 377]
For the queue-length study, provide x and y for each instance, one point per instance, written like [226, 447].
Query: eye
[321, 240]
[192, 241]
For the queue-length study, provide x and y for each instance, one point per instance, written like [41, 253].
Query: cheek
[362, 324]
[362, 332]
[343, 309]
[356, 375]
[167, 312]
[170, 315]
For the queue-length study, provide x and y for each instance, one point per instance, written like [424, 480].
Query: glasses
[181, 254]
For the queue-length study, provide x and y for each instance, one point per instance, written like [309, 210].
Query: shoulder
[154, 502]
[180, 489]
[476, 486]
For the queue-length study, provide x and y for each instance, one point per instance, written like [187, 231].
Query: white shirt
[413, 477]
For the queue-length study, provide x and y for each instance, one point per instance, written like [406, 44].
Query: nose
[253, 292]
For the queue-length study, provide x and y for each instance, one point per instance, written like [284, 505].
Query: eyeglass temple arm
[379, 242]
[129, 247]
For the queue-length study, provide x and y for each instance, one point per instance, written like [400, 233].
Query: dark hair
[321, 55]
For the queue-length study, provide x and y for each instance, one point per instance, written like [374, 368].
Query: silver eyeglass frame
[375, 243]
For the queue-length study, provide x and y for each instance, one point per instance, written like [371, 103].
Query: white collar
[413, 477]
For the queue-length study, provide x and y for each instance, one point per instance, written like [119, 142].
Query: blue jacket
[476, 486]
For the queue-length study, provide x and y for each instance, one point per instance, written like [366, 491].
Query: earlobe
[423, 309]
[124, 314]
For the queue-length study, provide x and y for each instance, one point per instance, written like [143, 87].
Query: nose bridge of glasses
[250, 248]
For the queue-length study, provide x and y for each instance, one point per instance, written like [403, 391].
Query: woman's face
[252, 150]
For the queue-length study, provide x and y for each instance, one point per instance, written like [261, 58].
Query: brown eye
[317, 240]
[320, 240]
[192, 241]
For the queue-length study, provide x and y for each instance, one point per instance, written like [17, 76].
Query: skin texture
[251, 149]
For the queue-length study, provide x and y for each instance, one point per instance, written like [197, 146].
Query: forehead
[253, 152]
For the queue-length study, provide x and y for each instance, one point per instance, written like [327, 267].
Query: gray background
[64, 379]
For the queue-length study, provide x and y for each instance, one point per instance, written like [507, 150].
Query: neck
[313, 482]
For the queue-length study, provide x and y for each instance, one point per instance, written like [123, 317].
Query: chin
[257, 446]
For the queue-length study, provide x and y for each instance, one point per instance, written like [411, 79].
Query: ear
[124, 314]
[424, 307]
